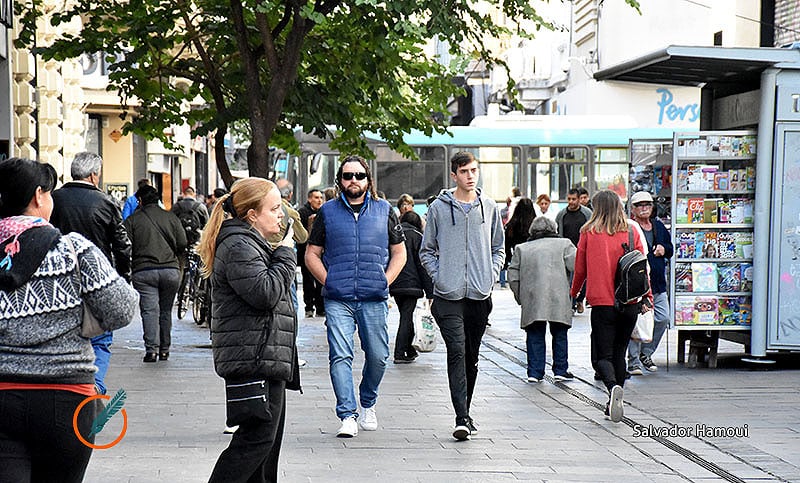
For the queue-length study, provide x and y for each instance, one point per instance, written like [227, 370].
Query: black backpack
[190, 220]
[632, 280]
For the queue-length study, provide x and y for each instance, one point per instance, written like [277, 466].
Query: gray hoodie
[463, 252]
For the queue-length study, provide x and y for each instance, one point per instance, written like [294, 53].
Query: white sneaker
[368, 419]
[230, 429]
[349, 428]
[302, 362]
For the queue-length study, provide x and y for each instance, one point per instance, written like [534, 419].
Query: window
[421, 178]
[612, 170]
[554, 171]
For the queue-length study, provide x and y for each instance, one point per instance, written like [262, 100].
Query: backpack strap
[630, 238]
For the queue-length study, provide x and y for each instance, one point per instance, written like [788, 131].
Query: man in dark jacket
[192, 213]
[80, 206]
[312, 289]
[659, 250]
[158, 238]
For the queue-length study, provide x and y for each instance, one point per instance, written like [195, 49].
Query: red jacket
[596, 264]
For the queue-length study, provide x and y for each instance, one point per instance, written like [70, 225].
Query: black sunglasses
[358, 176]
[643, 203]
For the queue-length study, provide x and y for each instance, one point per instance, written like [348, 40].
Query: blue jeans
[342, 320]
[157, 289]
[660, 325]
[537, 348]
[102, 358]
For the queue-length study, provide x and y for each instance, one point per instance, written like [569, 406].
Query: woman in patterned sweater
[46, 366]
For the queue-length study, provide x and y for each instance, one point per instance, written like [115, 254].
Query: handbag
[90, 325]
[424, 330]
[643, 330]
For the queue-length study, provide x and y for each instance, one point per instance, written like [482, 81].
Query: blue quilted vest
[356, 250]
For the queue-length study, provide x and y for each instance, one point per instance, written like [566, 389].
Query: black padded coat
[253, 323]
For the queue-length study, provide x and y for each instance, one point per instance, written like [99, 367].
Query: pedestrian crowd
[72, 250]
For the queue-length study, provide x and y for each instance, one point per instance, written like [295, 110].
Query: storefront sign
[667, 107]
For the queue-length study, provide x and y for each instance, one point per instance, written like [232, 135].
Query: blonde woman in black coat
[253, 325]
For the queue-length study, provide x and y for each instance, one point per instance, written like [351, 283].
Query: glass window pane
[611, 155]
[555, 180]
[613, 177]
[554, 171]
[417, 178]
[325, 175]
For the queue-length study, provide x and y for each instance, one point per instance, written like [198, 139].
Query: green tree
[357, 65]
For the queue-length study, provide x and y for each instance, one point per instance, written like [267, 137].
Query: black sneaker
[567, 376]
[648, 364]
[471, 425]
[461, 433]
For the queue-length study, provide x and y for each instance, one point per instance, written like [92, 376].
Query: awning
[696, 66]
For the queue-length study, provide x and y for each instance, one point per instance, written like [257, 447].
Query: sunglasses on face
[643, 204]
[358, 176]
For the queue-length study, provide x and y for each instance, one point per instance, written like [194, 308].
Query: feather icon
[108, 412]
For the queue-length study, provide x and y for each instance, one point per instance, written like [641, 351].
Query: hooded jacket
[463, 252]
[41, 301]
[253, 323]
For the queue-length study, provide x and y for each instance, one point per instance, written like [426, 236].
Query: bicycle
[201, 303]
[189, 281]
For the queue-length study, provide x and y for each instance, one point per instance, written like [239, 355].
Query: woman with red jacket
[599, 250]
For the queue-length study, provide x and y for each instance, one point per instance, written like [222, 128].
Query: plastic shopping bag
[643, 331]
[424, 330]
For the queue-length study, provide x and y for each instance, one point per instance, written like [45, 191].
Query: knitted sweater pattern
[40, 321]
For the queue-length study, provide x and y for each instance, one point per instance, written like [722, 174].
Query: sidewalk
[528, 432]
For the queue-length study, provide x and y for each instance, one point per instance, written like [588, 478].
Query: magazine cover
[746, 277]
[683, 277]
[729, 310]
[694, 210]
[699, 244]
[711, 246]
[681, 211]
[706, 311]
[744, 244]
[705, 277]
[730, 277]
[726, 244]
[684, 311]
[686, 245]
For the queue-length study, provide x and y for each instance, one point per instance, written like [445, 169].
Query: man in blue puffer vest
[356, 250]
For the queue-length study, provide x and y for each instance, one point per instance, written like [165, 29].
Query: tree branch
[267, 40]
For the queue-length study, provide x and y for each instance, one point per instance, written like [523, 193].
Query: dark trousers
[462, 323]
[405, 331]
[255, 447]
[37, 442]
[611, 332]
[312, 291]
[157, 289]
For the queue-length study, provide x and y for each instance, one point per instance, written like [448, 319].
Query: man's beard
[354, 191]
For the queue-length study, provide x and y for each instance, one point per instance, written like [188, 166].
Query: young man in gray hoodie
[463, 251]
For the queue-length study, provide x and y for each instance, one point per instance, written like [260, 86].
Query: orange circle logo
[78, 433]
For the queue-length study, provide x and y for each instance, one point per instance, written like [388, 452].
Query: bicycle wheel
[201, 303]
[183, 295]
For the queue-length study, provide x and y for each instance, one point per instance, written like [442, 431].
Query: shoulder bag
[90, 325]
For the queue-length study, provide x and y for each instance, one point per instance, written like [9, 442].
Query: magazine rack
[713, 191]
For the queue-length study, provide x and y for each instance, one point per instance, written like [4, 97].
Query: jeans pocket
[246, 401]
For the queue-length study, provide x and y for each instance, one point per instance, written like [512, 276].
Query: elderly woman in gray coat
[539, 277]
